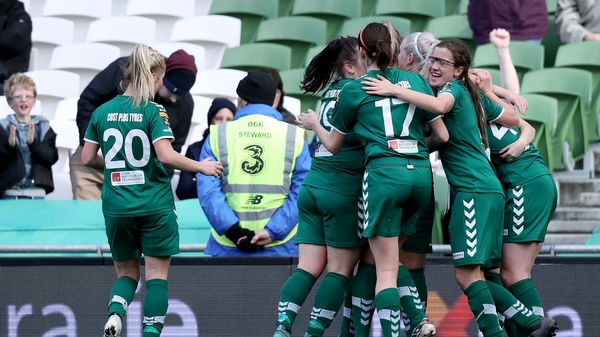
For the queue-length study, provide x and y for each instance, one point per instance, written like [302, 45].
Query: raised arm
[500, 38]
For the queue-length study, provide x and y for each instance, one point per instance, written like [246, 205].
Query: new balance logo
[254, 199]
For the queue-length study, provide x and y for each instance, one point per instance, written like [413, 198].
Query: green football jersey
[387, 126]
[135, 181]
[465, 161]
[343, 171]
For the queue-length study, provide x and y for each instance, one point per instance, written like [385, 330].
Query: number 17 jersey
[387, 126]
[135, 181]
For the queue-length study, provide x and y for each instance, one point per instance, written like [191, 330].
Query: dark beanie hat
[218, 104]
[257, 87]
[181, 72]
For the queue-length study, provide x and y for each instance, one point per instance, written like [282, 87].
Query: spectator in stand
[27, 144]
[222, 110]
[174, 96]
[578, 20]
[15, 39]
[526, 20]
[288, 117]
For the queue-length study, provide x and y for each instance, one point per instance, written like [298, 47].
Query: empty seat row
[127, 31]
[98, 9]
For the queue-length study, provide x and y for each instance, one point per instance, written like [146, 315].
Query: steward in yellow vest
[252, 205]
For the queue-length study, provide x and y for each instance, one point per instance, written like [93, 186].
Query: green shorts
[152, 235]
[476, 228]
[529, 208]
[395, 196]
[328, 218]
[420, 241]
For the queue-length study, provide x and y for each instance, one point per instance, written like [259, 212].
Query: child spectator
[27, 144]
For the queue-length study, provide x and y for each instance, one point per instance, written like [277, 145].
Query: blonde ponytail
[143, 62]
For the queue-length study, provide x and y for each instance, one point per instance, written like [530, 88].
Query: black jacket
[15, 38]
[105, 86]
[187, 187]
[43, 155]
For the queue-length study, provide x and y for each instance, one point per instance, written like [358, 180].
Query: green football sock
[495, 277]
[328, 300]
[525, 292]
[293, 294]
[418, 276]
[388, 310]
[483, 308]
[121, 296]
[155, 306]
[412, 309]
[512, 308]
[347, 323]
[363, 296]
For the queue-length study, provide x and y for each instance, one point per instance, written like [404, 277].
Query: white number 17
[386, 107]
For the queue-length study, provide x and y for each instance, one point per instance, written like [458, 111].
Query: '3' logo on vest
[254, 164]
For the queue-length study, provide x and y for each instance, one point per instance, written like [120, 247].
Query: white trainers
[425, 329]
[113, 326]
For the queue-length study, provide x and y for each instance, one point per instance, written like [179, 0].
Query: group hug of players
[366, 207]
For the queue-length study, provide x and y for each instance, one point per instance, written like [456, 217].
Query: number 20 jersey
[135, 181]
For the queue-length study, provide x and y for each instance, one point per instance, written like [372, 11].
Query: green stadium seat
[353, 27]
[463, 7]
[456, 26]
[418, 12]
[595, 238]
[551, 5]
[586, 56]
[312, 52]
[452, 7]
[526, 56]
[335, 12]
[440, 190]
[250, 12]
[291, 81]
[542, 115]
[297, 32]
[257, 55]
[551, 42]
[368, 7]
[285, 7]
[496, 76]
[572, 88]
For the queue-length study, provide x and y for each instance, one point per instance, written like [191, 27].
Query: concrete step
[571, 189]
[573, 226]
[577, 213]
[589, 199]
[566, 239]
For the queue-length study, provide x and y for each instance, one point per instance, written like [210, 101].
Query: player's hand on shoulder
[210, 168]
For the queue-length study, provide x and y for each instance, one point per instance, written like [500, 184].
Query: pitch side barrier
[68, 296]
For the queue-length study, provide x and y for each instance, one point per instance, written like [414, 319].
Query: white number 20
[388, 125]
[110, 163]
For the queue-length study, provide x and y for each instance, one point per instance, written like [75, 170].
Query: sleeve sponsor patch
[165, 118]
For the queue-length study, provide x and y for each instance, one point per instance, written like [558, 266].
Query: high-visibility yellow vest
[258, 154]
